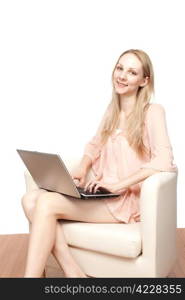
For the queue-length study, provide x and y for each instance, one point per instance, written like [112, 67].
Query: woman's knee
[47, 204]
[29, 200]
[44, 203]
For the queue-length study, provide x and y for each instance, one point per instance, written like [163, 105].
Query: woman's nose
[122, 75]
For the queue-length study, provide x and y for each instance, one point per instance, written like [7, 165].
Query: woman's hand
[94, 185]
[80, 176]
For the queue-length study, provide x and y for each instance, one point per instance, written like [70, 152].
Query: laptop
[50, 173]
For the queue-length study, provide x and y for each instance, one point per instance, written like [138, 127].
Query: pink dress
[116, 160]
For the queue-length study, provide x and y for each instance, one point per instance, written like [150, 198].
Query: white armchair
[143, 249]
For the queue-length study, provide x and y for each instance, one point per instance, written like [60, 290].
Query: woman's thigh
[85, 210]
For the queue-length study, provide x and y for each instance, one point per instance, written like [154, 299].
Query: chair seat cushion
[116, 239]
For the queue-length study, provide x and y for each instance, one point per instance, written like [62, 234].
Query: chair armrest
[158, 216]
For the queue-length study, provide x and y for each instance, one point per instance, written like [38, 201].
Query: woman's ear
[145, 81]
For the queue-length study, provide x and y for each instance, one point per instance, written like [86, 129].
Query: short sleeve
[160, 146]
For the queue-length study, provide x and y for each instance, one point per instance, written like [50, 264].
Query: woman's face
[128, 75]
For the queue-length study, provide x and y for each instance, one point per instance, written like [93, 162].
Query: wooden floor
[13, 250]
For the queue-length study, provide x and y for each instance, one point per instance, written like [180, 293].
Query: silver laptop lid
[49, 172]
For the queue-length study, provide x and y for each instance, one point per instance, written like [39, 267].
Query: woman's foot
[74, 271]
[75, 276]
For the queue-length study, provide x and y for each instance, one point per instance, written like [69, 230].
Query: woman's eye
[120, 69]
[133, 73]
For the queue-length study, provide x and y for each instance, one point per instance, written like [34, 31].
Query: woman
[130, 145]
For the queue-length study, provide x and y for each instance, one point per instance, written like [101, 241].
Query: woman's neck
[127, 103]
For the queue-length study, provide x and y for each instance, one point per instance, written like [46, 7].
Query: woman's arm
[121, 186]
[138, 176]
[93, 147]
[85, 163]
[160, 145]
[81, 172]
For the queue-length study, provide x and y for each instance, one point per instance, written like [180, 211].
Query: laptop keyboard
[98, 192]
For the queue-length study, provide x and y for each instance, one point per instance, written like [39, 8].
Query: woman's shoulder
[155, 109]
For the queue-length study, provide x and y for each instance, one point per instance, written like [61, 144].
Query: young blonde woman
[130, 145]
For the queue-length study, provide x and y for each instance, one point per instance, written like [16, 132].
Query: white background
[56, 59]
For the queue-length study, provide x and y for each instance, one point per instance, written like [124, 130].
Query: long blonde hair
[135, 120]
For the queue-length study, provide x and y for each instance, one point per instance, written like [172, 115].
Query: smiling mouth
[121, 84]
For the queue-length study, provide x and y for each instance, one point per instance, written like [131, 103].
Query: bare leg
[42, 240]
[49, 208]
[60, 249]
[63, 256]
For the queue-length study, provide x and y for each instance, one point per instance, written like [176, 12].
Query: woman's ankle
[73, 270]
[68, 264]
